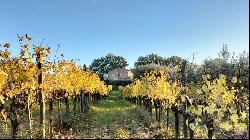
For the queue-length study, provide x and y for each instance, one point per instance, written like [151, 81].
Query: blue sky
[88, 29]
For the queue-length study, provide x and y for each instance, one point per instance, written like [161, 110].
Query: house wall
[119, 74]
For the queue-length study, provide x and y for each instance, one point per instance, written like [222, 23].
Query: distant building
[105, 76]
[120, 74]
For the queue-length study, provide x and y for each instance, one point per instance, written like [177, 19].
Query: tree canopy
[109, 62]
[150, 59]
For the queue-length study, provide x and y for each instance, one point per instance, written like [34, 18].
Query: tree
[154, 62]
[224, 53]
[241, 67]
[192, 73]
[150, 59]
[140, 70]
[227, 65]
[173, 61]
[109, 62]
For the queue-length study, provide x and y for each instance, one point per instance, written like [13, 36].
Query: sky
[89, 29]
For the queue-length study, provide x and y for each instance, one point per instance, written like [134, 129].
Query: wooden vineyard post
[59, 114]
[191, 131]
[29, 112]
[41, 95]
[67, 105]
[176, 115]
[50, 116]
[13, 119]
[183, 78]
[167, 117]
[75, 99]
[210, 127]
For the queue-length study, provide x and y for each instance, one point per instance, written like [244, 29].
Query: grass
[108, 111]
[110, 118]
